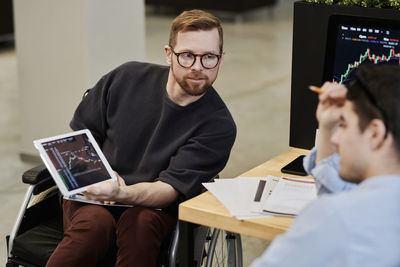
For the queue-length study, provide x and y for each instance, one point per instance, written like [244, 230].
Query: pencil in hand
[316, 89]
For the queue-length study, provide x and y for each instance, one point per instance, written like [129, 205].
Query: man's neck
[387, 164]
[177, 94]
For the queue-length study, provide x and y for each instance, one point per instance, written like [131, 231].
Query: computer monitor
[355, 41]
[332, 52]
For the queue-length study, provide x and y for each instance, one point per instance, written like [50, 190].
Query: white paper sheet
[255, 197]
[236, 195]
[290, 196]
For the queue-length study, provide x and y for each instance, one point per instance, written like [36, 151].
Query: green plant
[364, 3]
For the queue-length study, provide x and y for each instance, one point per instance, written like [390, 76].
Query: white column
[63, 48]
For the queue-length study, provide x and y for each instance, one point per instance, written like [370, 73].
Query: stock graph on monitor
[355, 41]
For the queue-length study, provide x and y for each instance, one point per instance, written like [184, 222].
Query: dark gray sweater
[147, 137]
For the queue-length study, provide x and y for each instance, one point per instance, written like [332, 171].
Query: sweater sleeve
[202, 157]
[91, 112]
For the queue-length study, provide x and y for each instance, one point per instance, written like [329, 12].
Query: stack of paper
[253, 197]
[237, 195]
[290, 196]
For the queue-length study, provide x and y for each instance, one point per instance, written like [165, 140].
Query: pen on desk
[316, 89]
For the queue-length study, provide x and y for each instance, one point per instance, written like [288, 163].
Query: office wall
[63, 48]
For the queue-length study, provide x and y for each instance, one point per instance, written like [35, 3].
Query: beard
[190, 88]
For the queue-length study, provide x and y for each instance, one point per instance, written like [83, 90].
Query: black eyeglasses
[187, 59]
[361, 82]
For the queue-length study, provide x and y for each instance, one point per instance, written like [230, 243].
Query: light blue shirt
[348, 225]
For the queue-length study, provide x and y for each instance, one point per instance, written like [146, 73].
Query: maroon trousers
[90, 231]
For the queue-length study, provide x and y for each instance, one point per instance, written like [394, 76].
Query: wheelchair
[38, 229]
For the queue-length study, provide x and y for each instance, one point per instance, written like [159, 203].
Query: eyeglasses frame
[194, 61]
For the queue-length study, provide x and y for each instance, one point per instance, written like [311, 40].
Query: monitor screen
[355, 41]
[329, 44]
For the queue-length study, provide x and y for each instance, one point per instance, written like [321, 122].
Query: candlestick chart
[76, 161]
[368, 58]
[357, 46]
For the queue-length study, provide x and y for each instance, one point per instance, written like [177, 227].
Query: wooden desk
[205, 209]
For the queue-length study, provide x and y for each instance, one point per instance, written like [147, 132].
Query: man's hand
[107, 192]
[330, 102]
[328, 115]
[149, 194]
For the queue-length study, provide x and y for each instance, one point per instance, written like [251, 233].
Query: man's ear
[376, 133]
[168, 53]
[221, 61]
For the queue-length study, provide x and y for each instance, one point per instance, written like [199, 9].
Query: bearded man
[164, 131]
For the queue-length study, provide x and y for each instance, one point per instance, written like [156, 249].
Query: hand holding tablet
[107, 191]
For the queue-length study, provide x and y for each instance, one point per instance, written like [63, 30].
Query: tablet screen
[76, 161]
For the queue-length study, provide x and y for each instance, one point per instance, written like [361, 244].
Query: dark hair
[195, 20]
[375, 93]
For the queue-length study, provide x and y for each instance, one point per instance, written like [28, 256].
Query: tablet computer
[75, 161]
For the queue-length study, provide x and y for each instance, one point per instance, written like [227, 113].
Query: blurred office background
[254, 81]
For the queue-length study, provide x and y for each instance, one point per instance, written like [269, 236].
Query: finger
[328, 86]
[93, 190]
[121, 181]
[108, 202]
[334, 96]
[117, 175]
[338, 90]
[87, 195]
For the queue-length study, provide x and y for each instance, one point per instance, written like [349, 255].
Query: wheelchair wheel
[222, 249]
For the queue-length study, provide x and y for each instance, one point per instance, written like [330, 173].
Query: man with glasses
[356, 166]
[164, 130]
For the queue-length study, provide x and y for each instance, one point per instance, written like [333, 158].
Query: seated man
[164, 130]
[356, 166]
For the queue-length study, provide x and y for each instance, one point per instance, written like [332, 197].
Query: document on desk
[254, 197]
[290, 196]
[237, 195]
